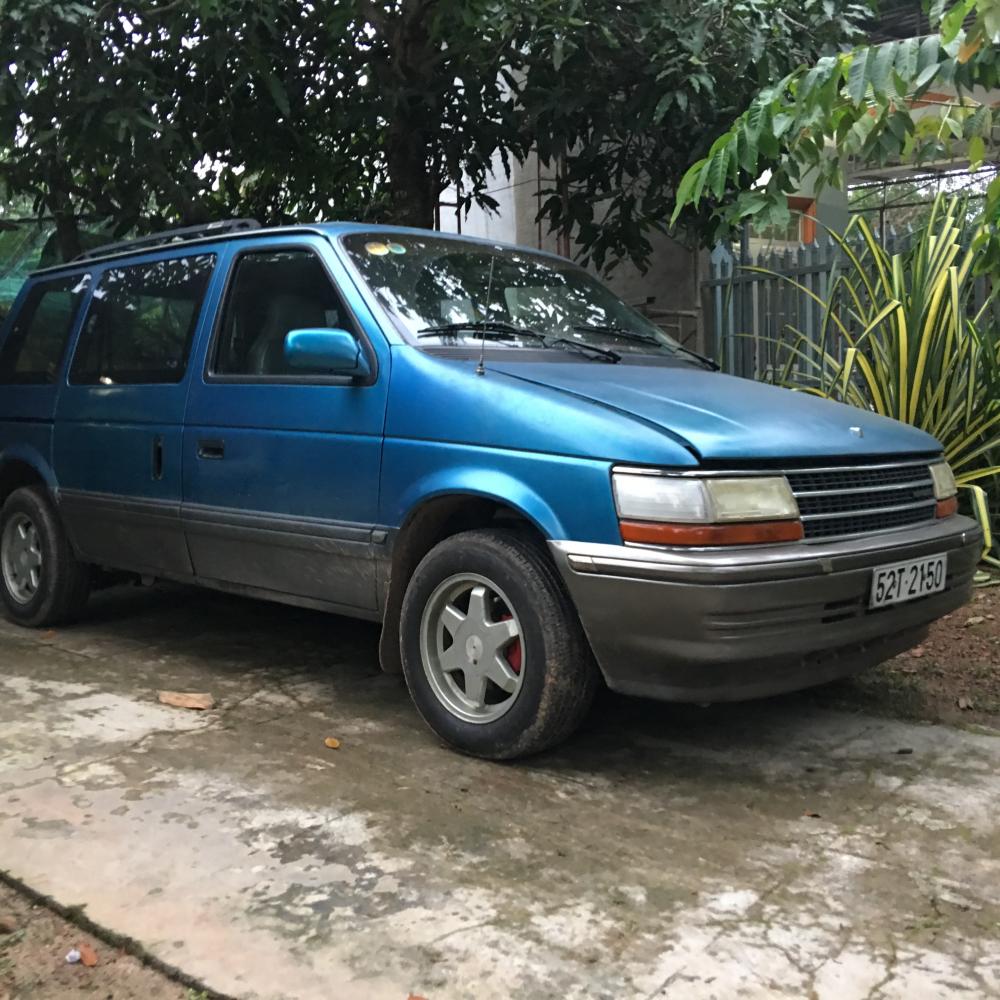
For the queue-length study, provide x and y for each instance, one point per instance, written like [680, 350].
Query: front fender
[564, 497]
[489, 485]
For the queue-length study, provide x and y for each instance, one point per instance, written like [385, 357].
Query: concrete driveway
[773, 849]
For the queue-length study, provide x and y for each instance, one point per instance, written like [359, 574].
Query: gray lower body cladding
[726, 625]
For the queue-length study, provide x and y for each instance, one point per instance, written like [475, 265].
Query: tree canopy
[876, 104]
[134, 114]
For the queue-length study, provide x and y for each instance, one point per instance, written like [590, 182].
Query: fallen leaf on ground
[200, 701]
[974, 620]
[332, 743]
[413, 996]
[8, 924]
[917, 652]
[87, 954]
[49, 633]
[964, 704]
[811, 815]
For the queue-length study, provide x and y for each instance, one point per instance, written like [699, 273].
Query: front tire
[493, 652]
[42, 582]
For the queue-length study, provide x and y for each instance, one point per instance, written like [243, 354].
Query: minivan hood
[723, 417]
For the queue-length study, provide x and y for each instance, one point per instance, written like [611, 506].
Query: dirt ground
[34, 943]
[953, 677]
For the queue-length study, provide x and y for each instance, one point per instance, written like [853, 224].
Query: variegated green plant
[900, 336]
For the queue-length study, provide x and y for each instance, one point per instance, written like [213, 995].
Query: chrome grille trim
[864, 489]
[736, 473]
[868, 510]
[847, 501]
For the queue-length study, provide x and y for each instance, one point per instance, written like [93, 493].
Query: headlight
[945, 489]
[661, 498]
[704, 501]
[944, 481]
[682, 510]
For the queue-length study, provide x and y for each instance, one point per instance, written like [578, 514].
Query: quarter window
[33, 351]
[141, 322]
[270, 294]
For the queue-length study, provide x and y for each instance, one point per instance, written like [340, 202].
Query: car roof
[145, 246]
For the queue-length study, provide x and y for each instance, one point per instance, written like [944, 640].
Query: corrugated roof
[899, 19]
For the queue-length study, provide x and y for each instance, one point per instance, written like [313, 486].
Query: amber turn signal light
[747, 533]
[945, 508]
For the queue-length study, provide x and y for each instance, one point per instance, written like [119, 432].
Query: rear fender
[30, 456]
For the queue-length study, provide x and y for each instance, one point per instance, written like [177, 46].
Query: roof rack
[171, 236]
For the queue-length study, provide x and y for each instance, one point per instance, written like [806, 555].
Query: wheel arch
[435, 517]
[24, 466]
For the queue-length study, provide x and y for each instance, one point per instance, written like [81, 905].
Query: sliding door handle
[211, 448]
[158, 457]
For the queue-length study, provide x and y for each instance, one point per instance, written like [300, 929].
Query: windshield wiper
[640, 338]
[618, 331]
[499, 329]
[597, 353]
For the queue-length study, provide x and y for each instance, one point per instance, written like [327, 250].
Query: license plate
[906, 581]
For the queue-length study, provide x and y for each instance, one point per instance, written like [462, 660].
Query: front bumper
[728, 624]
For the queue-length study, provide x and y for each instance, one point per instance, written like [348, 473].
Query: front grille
[862, 500]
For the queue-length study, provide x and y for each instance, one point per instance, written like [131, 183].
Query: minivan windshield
[455, 293]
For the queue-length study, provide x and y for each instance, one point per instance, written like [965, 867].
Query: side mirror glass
[337, 352]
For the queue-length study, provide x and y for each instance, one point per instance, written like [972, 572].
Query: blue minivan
[529, 484]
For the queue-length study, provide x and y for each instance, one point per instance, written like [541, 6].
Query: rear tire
[42, 582]
[489, 604]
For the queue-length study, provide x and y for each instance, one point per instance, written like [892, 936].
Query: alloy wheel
[472, 649]
[21, 558]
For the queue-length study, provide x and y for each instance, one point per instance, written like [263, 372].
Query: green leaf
[925, 76]
[928, 55]
[781, 124]
[977, 152]
[906, 58]
[278, 94]
[662, 106]
[951, 23]
[758, 119]
[686, 188]
[717, 172]
[885, 58]
[858, 74]
[752, 202]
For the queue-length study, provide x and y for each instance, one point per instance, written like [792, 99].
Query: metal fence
[746, 310]
[21, 245]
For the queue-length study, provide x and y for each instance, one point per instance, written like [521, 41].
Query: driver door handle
[211, 448]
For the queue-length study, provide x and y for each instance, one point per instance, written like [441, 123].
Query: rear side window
[141, 322]
[33, 352]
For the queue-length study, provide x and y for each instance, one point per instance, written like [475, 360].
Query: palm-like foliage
[900, 336]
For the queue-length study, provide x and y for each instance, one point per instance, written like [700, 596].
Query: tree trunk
[67, 234]
[414, 190]
[403, 71]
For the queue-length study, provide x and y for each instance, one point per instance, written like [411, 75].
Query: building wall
[668, 291]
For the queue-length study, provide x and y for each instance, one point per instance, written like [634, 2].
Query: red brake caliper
[513, 652]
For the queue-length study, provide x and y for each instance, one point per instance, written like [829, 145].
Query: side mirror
[335, 351]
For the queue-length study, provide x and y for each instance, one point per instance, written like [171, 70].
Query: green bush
[900, 337]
